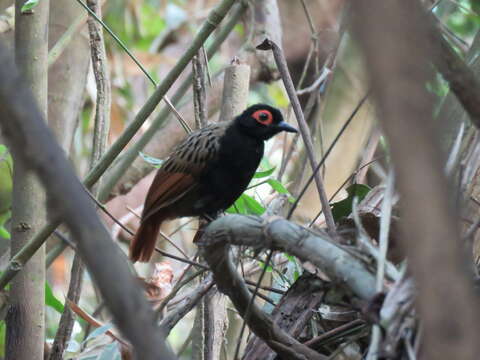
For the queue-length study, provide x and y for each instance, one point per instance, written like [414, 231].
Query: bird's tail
[143, 244]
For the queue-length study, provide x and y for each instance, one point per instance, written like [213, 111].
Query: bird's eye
[264, 117]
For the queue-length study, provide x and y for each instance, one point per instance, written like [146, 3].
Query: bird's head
[263, 121]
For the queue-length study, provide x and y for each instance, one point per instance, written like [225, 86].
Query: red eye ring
[264, 117]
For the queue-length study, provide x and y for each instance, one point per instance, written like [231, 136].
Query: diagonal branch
[37, 149]
[102, 126]
[212, 21]
[461, 78]
[217, 254]
[279, 234]
[304, 129]
[396, 40]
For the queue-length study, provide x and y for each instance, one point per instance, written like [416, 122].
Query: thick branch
[216, 251]
[213, 19]
[284, 235]
[37, 149]
[396, 42]
[102, 126]
[293, 313]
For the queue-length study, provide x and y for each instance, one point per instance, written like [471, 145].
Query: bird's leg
[203, 221]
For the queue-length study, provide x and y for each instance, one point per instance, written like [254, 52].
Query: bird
[206, 172]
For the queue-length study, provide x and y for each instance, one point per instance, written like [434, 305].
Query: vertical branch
[104, 98]
[212, 313]
[25, 319]
[235, 90]
[102, 125]
[36, 148]
[199, 83]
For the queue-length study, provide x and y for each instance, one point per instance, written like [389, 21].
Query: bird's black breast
[229, 175]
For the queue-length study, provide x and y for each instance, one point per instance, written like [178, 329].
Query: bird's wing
[178, 175]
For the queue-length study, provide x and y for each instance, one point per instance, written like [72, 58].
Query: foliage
[343, 208]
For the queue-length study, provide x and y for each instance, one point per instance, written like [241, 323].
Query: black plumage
[206, 172]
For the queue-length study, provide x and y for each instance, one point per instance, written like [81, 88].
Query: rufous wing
[175, 179]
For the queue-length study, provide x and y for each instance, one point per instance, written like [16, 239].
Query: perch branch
[216, 251]
[283, 235]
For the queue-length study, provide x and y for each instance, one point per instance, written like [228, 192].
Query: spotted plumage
[206, 172]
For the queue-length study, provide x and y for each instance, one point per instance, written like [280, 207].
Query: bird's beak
[283, 126]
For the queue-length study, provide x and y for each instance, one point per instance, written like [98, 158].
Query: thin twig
[102, 125]
[132, 152]
[351, 176]
[330, 148]
[381, 261]
[188, 303]
[37, 149]
[316, 84]
[137, 62]
[215, 16]
[304, 130]
[336, 332]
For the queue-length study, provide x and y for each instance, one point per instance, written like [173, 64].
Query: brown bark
[396, 44]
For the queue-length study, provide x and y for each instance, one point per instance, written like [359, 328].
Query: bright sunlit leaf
[262, 174]
[254, 207]
[29, 5]
[51, 300]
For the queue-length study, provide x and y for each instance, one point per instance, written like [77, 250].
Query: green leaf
[296, 275]
[151, 160]
[4, 233]
[51, 300]
[261, 264]
[238, 207]
[254, 207]
[262, 174]
[277, 186]
[28, 6]
[343, 208]
[290, 258]
[6, 180]
[4, 217]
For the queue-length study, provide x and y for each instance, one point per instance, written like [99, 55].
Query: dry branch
[292, 313]
[37, 149]
[212, 21]
[101, 130]
[283, 235]
[304, 129]
[215, 246]
[462, 79]
[396, 41]
[186, 305]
